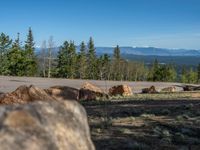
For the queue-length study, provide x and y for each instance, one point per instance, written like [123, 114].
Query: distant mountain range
[144, 51]
[150, 51]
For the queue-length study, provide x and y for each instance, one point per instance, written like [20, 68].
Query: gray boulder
[44, 125]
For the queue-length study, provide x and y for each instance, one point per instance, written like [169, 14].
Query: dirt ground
[145, 124]
[8, 84]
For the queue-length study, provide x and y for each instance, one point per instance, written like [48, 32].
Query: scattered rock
[90, 92]
[169, 89]
[2, 95]
[25, 94]
[188, 88]
[63, 92]
[151, 90]
[42, 125]
[191, 88]
[123, 90]
[92, 87]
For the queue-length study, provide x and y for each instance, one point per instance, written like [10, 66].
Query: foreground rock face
[25, 94]
[150, 90]
[123, 90]
[42, 125]
[63, 92]
[90, 92]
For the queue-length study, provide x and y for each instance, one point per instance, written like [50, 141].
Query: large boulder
[25, 94]
[151, 90]
[63, 92]
[123, 90]
[44, 125]
[90, 92]
[169, 89]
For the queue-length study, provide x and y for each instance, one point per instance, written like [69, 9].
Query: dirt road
[8, 84]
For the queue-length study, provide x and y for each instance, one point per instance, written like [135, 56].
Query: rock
[2, 95]
[191, 88]
[169, 89]
[151, 90]
[123, 90]
[25, 94]
[63, 92]
[44, 125]
[90, 92]
[188, 88]
[91, 87]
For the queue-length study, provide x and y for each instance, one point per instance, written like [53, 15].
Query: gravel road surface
[8, 84]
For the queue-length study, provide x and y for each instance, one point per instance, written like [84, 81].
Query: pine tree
[184, 75]
[67, 60]
[103, 67]
[31, 64]
[62, 66]
[91, 60]
[192, 76]
[116, 66]
[16, 59]
[82, 62]
[171, 74]
[106, 66]
[116, 54]
[156, 71]
[5, 43]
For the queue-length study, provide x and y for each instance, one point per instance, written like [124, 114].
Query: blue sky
[158, 23]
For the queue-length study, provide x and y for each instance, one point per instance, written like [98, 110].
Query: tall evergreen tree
[16, 59]
[5, 43]
[62, 66]
[116, 54]
[106, 66]
[29, 45]
[156, 71]
[116, 64]
[91, 60]
[31, 63]
[192, 76]
[171, 74]
[184, 75]
[103, 67]
[82, 62]
[67, 60]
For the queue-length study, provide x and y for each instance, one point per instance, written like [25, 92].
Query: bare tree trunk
[101, 75]
[51, 44]
[44, 58]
